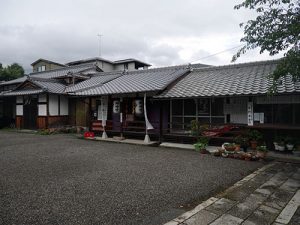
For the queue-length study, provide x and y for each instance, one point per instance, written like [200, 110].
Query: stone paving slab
[204, 217]
[246, 208]
[295, 219]
[279, 199]
[221, 206]
[288, 212]
[192, 212]
[270, 195]
[290, 185]
[264, 215]
[227, 219]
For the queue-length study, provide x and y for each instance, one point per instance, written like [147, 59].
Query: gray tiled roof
[137, 81]
[51, 86]
[96, 80]
[44, 85]
[56, 73]
[22, 92]
[239, 79]
[15, 81]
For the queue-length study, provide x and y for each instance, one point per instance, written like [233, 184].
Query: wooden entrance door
[30, 113]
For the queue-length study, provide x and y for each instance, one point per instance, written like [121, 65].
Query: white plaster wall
[42, 98]
[131, 66]
[53, 105]
[19, 110]
[119, 67]
[42, 110]
[237, 108]
[106, 67]
[64, 106]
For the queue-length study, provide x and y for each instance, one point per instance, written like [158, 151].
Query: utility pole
[99, 36]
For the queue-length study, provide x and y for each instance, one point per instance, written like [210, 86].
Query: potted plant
[279, 144]
[201, 145]
[261, 151]
[254, 137]
[240, 142]
[289, 143]
[247, 156]
[229, 146]
[195, 128]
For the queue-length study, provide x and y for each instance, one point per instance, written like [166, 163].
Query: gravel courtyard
[60, 179]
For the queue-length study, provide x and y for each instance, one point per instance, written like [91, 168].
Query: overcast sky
[160, 32]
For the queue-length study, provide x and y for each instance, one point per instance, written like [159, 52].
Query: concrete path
[271, 195]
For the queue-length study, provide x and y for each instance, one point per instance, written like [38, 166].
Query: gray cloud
[67, 30]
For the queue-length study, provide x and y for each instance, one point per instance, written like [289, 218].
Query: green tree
[11, 72]
[275, 29]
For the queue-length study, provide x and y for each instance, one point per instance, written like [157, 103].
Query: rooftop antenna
[99, 36]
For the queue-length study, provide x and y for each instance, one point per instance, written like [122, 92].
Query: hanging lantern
[138, 109]
[116, 106]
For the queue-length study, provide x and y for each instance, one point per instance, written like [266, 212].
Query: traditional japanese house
[8, 104]
[40, 100]
[126, 103]
[234, 94]
[118, 98]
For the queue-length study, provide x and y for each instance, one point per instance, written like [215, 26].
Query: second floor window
[41, 68]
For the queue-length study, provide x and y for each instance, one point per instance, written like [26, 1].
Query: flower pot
[217, 153]
[290, 147]
[230, 149]
[253, 145]
[204, 151]
[261, 154]
[247, 156]
[225, 155]
[279, 147]
[237, 148]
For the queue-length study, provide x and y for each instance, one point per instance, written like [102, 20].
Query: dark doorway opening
[30, 113]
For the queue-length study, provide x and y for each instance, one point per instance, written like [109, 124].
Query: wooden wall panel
[41, 122]
[44, 122]
[57, 121]
[82, 112]
[19, 122]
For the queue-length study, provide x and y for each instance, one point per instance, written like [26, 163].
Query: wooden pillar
[47, 112]
[210, 112]
[171, 118]
[58, 98]
[121, 116]
[294, 114]
[161, 119]
[89, 113]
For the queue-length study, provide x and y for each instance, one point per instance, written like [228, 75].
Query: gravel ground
[60, 179]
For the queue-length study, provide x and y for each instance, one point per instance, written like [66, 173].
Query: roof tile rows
[42, 85]
[94, 81]
[200, 81]
[239, 79]
[137, 81]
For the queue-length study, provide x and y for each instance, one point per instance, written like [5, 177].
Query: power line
[218, 53]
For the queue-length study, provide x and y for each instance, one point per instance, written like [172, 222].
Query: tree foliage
[275, 29]
[11, 72]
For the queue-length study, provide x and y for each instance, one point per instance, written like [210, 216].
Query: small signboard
[261, 117]
[250, 113]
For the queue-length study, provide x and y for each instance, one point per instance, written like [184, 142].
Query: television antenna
[100, 37]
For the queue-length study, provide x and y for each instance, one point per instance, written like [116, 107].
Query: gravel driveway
[60, 179]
